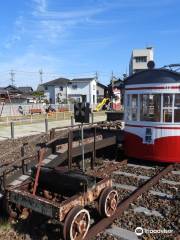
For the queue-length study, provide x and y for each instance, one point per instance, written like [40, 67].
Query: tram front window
[177, 108]
[167, 115]
[177, 100]
[128, 107]
[167, 100]
[167, 107]
[134, 106]
[150, 107]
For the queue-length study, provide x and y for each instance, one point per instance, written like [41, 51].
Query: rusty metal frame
[93, 159]
[13, 171]
[54, 209]
[41, 158]
[70, 140]
[36, 203]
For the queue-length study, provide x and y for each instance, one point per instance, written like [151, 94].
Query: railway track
[143, 191]
[143, 204]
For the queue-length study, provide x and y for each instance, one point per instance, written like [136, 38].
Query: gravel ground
[10, 150]
[35, 229]
[169, 209]
[141, 171]
[167, 188]
[127, 180]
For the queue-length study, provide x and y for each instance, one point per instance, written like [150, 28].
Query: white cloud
[42, 27]
[52, 26]
[55, 25]
[41, 10]
[41, 5]
[62, 15]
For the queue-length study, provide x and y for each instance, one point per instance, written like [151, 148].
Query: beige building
[139, 59]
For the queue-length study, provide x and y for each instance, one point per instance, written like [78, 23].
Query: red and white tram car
[152, 115]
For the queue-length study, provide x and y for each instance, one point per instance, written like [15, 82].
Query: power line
[58, 74]
[24, 77]
[53, 73]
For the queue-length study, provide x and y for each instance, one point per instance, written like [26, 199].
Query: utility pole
[12, 74]
[41, 75]
[112, 79]
[96, 76]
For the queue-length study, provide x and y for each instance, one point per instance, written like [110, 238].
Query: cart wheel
[24, 213]
[76, 224]
[10, 209]
[108, 202]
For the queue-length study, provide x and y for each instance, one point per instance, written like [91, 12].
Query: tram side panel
[163, 149]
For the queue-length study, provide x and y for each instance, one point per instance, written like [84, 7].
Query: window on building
[97, 92]
[46, 88]
[150, 107]
[61, 88]
[140, 59]
[74, 86]
[93, 98]
[84, 98]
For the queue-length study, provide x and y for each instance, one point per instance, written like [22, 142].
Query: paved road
[35, 128]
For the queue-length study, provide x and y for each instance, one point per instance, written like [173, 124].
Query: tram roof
[153, 76]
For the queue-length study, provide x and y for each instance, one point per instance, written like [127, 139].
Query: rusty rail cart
[62, 150]
[59, 191]
[65, 201]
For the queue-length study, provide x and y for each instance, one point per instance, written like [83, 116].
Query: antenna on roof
[112, 79]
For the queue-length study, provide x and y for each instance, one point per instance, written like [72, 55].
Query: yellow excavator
[101, 104]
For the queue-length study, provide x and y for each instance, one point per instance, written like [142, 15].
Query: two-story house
[63, 90]
[83, 89]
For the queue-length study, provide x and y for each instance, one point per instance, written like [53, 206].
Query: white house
[63, 90]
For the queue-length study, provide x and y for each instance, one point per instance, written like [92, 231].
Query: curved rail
[105, 222]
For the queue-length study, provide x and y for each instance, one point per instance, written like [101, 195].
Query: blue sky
[74, 38]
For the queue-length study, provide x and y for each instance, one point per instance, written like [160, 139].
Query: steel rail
[123, 205]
